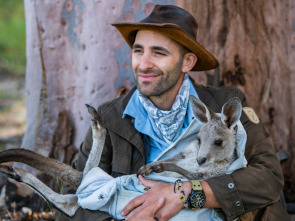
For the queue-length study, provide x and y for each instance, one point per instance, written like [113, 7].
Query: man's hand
[144, 204]
[148, 213]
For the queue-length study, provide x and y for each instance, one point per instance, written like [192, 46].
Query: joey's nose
[202, 161]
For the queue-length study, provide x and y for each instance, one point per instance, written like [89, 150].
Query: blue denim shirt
[153, 145]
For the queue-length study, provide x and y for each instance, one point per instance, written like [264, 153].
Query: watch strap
[196, 185]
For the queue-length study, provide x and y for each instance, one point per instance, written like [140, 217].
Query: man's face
[157, 63]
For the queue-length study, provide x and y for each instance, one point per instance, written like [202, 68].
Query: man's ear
[189, 61]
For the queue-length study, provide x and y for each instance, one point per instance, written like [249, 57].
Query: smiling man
[159, 64]
[143, 123]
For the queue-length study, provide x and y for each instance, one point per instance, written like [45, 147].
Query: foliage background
[12, 72]
[12, 37]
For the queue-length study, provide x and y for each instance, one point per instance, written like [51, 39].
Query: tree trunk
[254, 43]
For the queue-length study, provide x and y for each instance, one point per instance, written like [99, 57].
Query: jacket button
[238, 203]
[231, 185]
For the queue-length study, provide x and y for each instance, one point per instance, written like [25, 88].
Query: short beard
[165, 84]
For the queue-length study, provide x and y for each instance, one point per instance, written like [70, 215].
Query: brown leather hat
[175, 23]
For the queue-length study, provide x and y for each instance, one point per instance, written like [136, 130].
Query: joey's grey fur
[214, 150]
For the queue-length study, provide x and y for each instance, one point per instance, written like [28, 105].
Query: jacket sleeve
[257, 185]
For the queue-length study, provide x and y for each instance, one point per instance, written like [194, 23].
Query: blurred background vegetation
[12, 37]
[12, 73]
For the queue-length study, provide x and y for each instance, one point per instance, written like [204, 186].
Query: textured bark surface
[65, 67]
[254, 43]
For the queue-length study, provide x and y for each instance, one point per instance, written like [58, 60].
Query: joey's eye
[218, 143]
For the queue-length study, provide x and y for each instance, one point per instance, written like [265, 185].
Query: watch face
[198, 199]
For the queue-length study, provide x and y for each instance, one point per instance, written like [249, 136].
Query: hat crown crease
[173, 15]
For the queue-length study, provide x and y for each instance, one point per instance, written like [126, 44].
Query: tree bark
[254, 43]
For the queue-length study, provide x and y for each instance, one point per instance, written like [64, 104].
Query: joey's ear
[200, 110]
[231, 112]
[189, 61]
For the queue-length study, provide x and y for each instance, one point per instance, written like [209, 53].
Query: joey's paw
[144, 170]
[158, 168]
[147, 169]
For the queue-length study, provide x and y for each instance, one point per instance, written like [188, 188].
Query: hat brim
[206, 61]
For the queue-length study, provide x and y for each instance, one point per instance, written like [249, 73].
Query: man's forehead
[153, 36]
[156, 38]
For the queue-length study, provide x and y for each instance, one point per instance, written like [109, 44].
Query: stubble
[163, 84]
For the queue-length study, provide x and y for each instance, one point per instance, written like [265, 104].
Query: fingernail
[160, 200]
[122, 213]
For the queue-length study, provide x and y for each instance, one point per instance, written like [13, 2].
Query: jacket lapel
[111, 115]
[206, 97]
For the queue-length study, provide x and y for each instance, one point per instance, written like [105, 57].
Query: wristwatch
[197, 198]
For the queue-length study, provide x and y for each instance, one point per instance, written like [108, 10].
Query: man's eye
[137, 51]
[159, 53]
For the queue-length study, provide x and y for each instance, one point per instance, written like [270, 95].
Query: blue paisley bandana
[167, 124]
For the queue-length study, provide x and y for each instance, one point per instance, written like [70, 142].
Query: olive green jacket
[252, 191]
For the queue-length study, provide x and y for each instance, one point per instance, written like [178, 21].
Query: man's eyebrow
[136, 46]
[158, 48]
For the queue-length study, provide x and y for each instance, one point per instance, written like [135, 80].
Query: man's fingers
[153, 206]
[133, 204]
[140, 199]
[146, 183]
[147, 211]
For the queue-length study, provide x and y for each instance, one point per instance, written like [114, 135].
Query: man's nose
[146, 62]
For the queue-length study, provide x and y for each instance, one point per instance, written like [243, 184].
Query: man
[142, 124]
